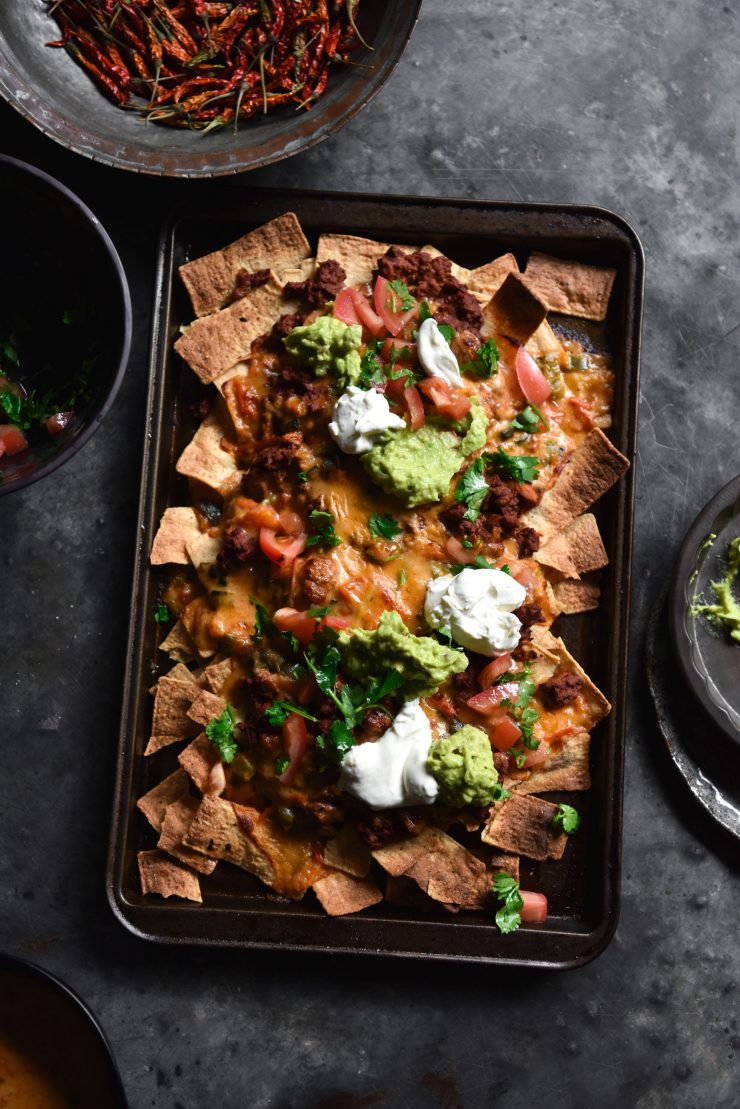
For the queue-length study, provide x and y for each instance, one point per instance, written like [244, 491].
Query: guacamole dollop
[328, 346]
[418, 466]
[726, 612]
[462, 763]
[423, 662]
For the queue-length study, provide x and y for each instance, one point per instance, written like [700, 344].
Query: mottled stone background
[629, 105]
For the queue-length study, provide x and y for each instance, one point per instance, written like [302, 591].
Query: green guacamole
[423, 662]
[328, 346]
[462, 763]
[726, 612]
[418, 466]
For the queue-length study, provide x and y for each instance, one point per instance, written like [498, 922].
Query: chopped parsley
[161, 614]
[524, 714]
[24, 411]
[447, 332]
[425, 312]
[282, 762]
[279, 711]
[527, 422]
[324, 534]
[405, 301]
[478, 563]
[485, 363]
[319, 611]
[506, 888]
[566, 819]
[371, 369]
[472, 489]
[220, 731]
[302, 476]
[383, 527]
[263, 624]
[522, 467]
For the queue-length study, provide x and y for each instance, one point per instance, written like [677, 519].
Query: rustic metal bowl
[51, 91]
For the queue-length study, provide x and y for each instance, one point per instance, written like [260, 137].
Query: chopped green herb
[318, 611]
[425, 312]
[402, 577]
[447, 332]
[383, 527]
[9, 353]
[506, 888]
[514, 467]
[282, 762]
[161, 614]
[279, 711]
[566, 819]
[505, 569]
[405, 301]
[324, 534]
[527, 422]
[220, 731]
[23, 411]
[472, 489]
[478, 563]
[263, 624]
[372, 371]
[485, 363]
[302, 475]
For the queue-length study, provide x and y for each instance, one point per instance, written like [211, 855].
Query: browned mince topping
[377, 830]
[528, 496]
[260, 691]
[376, 722]
[286, 323]
[454, 520]
[431, 278]
[295, 381]
[249, 733]
[528, 614]
[280, 455]
[466, 684]
[502, 500]
[320, 579]
[501, 762]
[561, 689]
[323, 286]
[246, 281]
[237, 546]
[528, 540]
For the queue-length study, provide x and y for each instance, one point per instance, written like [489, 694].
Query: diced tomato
[493, 670]
[281, 549]
[534, 909]
[344, 308]
[532, 758]
[58, 422]
[532, 381]
[384, 299]
[414, 407]
[493, 696]
[252, 514]
[295, 735]
[448, 401]
[12, 441]
[395, 386]
[458, 553]
[366, 316]
[337, 622]
[405, 352]
[505, 734]
[521, 572]
[300, 624]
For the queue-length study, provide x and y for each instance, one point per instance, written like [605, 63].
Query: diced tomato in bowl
[12, 440]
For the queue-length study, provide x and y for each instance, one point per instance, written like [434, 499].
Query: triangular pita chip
[358, 257]
[341, 894]
[202, 762]
[578, 549]
[178, 644]
[572, 597]
[175, 528]
[571, 288]
[522, 825]
[485, 280]
[565, 770]
[594, 700]
[218, 675]
[162, 875]
[275, 245]
[175, 826]
[217, 832]
[441, 867]
[347, 852]
[205, 459]
[544, 341]
[513, 311]
[154, 803]
[170, 722]
[206, 706]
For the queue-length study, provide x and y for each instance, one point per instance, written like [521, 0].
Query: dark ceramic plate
[51, 91]
[709, 659]
[582, 889]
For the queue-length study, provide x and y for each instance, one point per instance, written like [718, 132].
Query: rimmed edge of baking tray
[551, 946]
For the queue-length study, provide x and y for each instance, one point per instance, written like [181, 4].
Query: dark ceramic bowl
[50, 90]
[55, 1031]
[58, 263]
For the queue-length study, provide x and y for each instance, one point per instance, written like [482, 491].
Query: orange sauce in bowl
[23, 1083]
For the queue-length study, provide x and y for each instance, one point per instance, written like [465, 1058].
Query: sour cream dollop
[392, 772]
[436, 356]
[477, 608]
[360, 417]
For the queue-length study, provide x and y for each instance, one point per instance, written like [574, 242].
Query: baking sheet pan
[582, 889]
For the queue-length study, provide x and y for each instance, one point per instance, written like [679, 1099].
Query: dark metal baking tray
[583, 889]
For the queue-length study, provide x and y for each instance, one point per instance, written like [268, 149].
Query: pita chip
[484, 281]
[218, 674]
[203, 549]
[205, 706]
[522, 825]
[567, 770]
[276, 246]
[544, 341]
[578, 549]
[205, 459]
[571, 288]
[222, 830]
[179, 644]
[175, 528]
[176, 824]
[154, 804]
[202, 762]
[405, 893]
[341, 894]
[170, 722]
[358, 257]
[164, 876]
[441, 867]
[591, 470]
[514, 311]
[595, 701]
[348, 853]
[572, 597]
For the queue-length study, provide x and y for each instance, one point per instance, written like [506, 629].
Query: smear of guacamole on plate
[725, 612]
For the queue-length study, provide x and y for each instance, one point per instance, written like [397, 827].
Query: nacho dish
[390, 487]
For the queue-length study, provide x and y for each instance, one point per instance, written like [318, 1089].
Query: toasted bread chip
[522, 825]
[175, 826]
[594, 700]
[175, 528]
[358, 257]
[544, 341]
[205, 459]
[178, 644]
[543, 667]
[218, 675]
[405, 893]
[567, 770]
[205, 706]
[212, 345]
[576, 596]
[301, 272]
[440, 866]
[347, 852]
[592, 469]
[570, 287]
[202, 762]
[578, 549]
[203, 550]
[178, 673]
[220, 830]
[153, 804]
[162, 875]
[170, 722]
[484, 281]
[341, 894]
[513, 311]
[500, 860]
[397, 858]
[275, 245]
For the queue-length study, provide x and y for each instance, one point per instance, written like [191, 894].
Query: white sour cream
[392, 772]
[435, 354]
[359, 419]
[476, 607]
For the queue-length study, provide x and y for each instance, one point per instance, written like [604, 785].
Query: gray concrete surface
[632, 106]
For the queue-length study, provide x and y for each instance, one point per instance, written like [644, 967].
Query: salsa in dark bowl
[65, 324]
